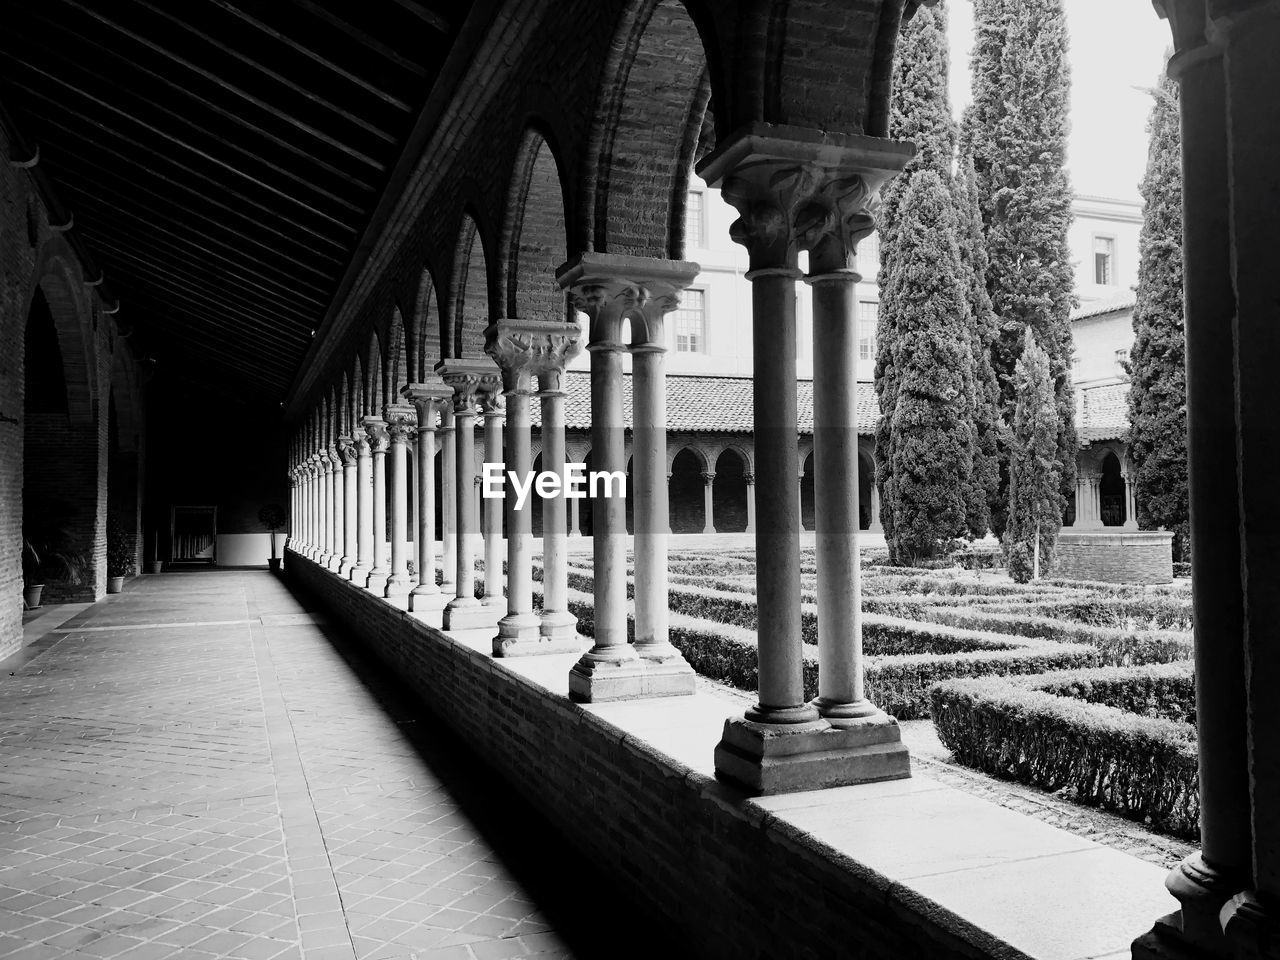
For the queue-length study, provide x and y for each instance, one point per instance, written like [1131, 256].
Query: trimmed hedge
[1141, 613]
[898, 683]
[1118, 647]
[1027, 729]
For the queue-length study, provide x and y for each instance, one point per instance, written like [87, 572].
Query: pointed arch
[472, 299]
[355, 395]
[656, 92]
[399, 364]
[374, 378]
[428, 323]
[535, 235]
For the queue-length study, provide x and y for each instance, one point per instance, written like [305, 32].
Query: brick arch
[742, 452]
[826, 65]
[700, 454]
[374, 378]
[355, 395]
[472, 299]
[55, 279]
[656, 87]
[428, 324]
[338, 412]
[399, 364]
[535, 238]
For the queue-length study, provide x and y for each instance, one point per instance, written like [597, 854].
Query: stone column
[1206, 881]
[880, 753]
[315, 486]
[467, 379]
[376, 430]
[559, 627]
[575, 518]
[338, 503]
[794, 187]
[610, 288]
[328, 514]
[876, 526]
[401, 424]
[708, 502]
[750, 479]
[491, 518]
[364, 507]
[448, 498]
[1130, 504]
[429, 399]
[525, 350]
[1089, 508]
[347, 457]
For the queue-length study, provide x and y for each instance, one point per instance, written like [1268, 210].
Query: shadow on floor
[588, 907]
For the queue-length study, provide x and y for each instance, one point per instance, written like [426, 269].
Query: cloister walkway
[199, 767]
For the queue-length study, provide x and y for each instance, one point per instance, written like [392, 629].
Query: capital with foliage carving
[429, 399]
[469, 380]
[375, 428]
[612, 288]
[800, 189]
[346, 447]
[402, 421]
[528, 349]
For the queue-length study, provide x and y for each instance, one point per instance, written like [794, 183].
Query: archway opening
[685, 493]
[866, 483]
[729, 493]
[1111, 492]
[806, 494]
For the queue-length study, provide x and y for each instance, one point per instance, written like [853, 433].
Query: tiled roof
[724, 405]
[705, 404]
[1106, 412]
[1121, 302]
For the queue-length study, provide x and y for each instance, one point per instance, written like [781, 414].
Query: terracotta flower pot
[31, 595]
[115, 584]
[155, 566]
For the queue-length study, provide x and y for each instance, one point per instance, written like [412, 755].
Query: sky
[1117, 54]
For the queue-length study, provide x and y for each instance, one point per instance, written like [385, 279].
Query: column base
[324, 559]
[421, 601]
[334, 563]
[786, 758]
[468, 613]
[667, 665]
[376, 582]
[558, 625]
[1196, 930]
[398, 585]
[1165, 941]
[359, 574]
[594, 679]
[520, 635]
[344, 568]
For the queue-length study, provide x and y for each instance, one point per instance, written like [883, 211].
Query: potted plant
[120, 555]
[156, 564]
[47, 552]
[272, 516]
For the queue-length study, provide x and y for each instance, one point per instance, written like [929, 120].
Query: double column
[469, 380]
[532, 352]
[804, 189]
[402, 424]
[333, 498]
[1088, 501]
[609, 289]
[375, 429]
[1231, 135]
[429, 399]
[346, 448]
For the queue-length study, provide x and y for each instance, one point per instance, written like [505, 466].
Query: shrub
[120, 549]
[1142, 766]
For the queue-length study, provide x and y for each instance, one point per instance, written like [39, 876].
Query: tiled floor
[198, 768]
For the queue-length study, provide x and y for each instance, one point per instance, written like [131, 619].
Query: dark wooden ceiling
[221, 158]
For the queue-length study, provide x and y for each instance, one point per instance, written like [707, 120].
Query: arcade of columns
[795, 190]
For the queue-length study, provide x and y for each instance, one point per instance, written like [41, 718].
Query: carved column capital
[469, 380]
[529, 349]
[611, 288]
[346, 447]
[709, 477]
[749, 479]
[800, 189]
[402, 422]
[429, 399]
[375, 428]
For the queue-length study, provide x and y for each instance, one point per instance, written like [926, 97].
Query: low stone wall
[1115, 556]
[732, 879]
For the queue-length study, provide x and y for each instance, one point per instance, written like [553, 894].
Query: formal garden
[1080, 689]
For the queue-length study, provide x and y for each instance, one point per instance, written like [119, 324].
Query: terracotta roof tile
[1106, 412]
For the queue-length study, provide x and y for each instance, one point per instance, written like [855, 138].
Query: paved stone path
[199, 768]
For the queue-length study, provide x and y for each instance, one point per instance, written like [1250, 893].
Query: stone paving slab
[233, 789]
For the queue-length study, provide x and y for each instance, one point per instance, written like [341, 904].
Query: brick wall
[731, 880]
[1115, 557]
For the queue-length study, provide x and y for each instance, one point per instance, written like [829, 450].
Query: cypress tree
[1158, 387]
[930, 451]
[988, 427]
[1035, 501]
[1016, 132]
[920, 112]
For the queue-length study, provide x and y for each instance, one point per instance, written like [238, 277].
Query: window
[691, 322]
[695, 233]
[1104, 252]
[868, 312]
[1122, 357]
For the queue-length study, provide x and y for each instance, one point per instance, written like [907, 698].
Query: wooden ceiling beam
[132, 162]
[355, 33]
[428, 16]
[226, 341]
[231, 88]
[310, 54]
[279, 78]
[213, 351]
[164, 307]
